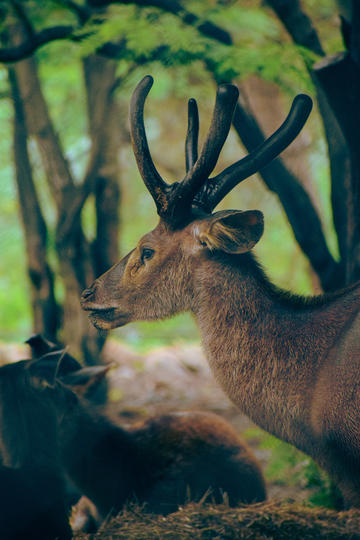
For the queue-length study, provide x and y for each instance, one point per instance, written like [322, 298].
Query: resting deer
[162, 461]
[40, 346]
[32, 486]
[292, 364]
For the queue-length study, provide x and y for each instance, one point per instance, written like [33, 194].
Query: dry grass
[257, 522]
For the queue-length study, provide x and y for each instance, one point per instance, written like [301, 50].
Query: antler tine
[219, 186]
[191, 143]
[152, 179]
[226, 98]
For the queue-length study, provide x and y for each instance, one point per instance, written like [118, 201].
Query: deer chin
[107, 319]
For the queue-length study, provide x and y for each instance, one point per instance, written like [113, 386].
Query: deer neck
[99, 458]
[260, 346]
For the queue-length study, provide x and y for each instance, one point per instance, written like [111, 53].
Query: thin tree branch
[111, 50]
[83, 13]
[207, 28]
[30, 45]
[40, 125]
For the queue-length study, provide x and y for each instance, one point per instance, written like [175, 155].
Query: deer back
[163, 461]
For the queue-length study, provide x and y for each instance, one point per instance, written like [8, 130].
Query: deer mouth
[107, 318]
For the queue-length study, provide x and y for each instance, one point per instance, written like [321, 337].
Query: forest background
[71, 198]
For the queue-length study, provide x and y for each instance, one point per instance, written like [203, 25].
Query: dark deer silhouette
[32, 488]
[40, 346]
[163, 461]
[292, 364]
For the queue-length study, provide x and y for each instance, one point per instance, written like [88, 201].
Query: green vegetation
[257, 50]
[287, 466]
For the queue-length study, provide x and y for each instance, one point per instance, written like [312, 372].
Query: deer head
[28, 418]
[155, 280]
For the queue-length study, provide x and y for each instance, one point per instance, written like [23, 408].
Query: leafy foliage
[146, 34]
[179, 54]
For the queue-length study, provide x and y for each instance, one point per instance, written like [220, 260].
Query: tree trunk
[76, 264]
[45, 310]
[339, 77]
[104, 123]
[301, 30]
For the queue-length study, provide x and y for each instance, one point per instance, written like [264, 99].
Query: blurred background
[72, 201]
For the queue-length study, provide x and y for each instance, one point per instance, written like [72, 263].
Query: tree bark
[302, 31]
[45, 310]
[339, 77]
[73, 250]
[104, 124]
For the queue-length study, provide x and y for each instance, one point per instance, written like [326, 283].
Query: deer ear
[85, 379]
[43, 372]
[40, 345]
[231, 231]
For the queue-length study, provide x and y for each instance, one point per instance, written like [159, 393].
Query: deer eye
[146, 254]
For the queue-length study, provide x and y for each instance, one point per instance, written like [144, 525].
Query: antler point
[229, 90]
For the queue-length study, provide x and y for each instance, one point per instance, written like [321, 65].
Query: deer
[32, 483]
[291, 363]
[41, 347]
[163, 461]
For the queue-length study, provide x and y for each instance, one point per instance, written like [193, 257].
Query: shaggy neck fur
[265, 347]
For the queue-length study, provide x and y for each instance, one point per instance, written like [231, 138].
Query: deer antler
[226, 99]
[176, 202]
[191, 142]
[173, 202]
[216, 188]
[153, 181]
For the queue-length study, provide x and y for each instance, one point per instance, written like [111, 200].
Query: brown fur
[162, 461]
[292, 364]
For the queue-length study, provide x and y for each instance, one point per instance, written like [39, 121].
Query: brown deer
[292, 364]
[32, 485]
[163, 461]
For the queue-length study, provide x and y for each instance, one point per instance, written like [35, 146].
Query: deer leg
[345, 473]
[349, 486]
